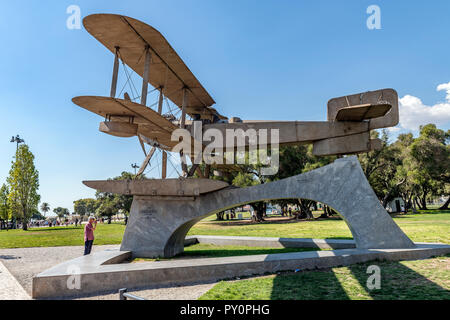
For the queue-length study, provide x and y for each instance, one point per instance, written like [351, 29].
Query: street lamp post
[18, 140]
[134, 166]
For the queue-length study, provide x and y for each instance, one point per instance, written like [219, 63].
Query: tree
[406, 189]
[5, 213]
[430, 156]
[23, 182]
[431, 151]
[61, 212]
[37, 215]
[415, 169]
[109, 204]
[79, 207]
[45, 207]
[373, 161]
[85, 207]
[108, 207]
[243, 180]
[296, 160]
[91, 205]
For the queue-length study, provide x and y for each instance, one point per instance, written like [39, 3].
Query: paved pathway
[24, 263]
[10, 289]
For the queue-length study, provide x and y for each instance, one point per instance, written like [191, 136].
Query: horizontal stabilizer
[363, 112]
[376, 98]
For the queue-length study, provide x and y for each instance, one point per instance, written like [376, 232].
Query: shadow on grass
[308, 285]
[398, 282]
[54, 229]
[420, 212]
[287, 243]
[432, 211]
[216, 253]
[278, 220]
[225, 252]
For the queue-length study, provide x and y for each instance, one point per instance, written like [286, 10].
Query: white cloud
[394, 129]
[414, 113]
[446, 87]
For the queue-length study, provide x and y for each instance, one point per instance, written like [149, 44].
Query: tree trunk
[327, 212]
[386, 199]
[5, 223]
[418, 203]
[259, 215]
[219, 215]
[409, 202]
[305, 208]
[260, 212]
[259, 208]
[424, 202]
[445, 205]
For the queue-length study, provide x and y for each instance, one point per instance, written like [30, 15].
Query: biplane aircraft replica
[143, 49]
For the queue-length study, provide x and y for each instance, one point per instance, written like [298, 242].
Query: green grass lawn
[427, 279]
[430, 226]
[60, 236]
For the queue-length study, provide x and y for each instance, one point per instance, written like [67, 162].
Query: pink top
[88, 232]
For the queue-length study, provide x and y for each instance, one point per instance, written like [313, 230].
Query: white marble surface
[10, 289]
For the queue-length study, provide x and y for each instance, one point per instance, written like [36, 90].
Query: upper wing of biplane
[167, 71]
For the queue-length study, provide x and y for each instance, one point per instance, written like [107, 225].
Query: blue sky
[280, 60]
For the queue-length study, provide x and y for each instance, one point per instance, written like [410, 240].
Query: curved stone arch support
[157, 227]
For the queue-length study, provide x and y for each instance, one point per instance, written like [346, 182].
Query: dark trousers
[88, 246]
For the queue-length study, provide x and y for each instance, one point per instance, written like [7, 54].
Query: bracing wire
[173, 166]
[129, 79]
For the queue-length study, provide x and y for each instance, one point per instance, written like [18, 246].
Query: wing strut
[164, 154]
[115, 73]
[182, 126]
[141, 142]
[146, 161]
[164, 165]
[148, 57]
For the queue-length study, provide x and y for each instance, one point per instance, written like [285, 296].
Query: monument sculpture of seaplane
[164, 209]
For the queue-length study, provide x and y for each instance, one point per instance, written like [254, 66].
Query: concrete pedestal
[158, 225]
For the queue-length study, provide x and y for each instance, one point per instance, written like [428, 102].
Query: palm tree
[61, 212]
[45, 207]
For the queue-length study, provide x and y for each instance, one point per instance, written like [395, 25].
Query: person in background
[89, 229]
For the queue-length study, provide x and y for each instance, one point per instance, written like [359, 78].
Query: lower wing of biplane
[124, 118]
